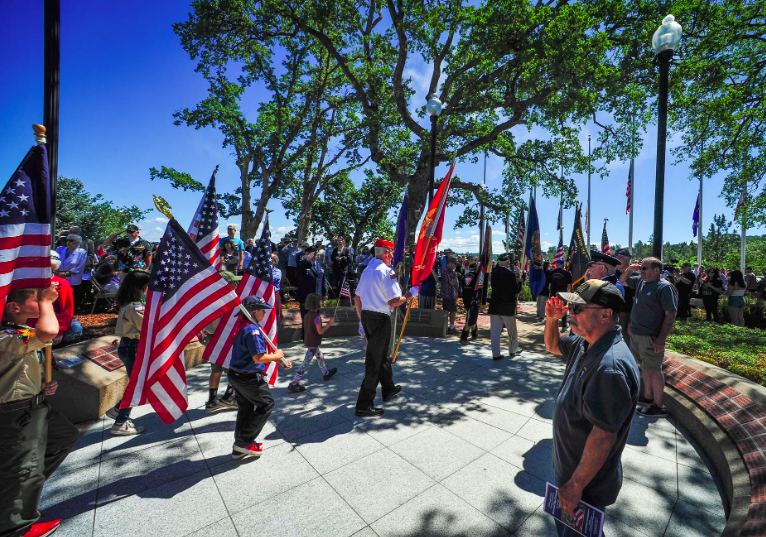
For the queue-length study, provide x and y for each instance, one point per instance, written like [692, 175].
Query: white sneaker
[127, 428]
[112, 413]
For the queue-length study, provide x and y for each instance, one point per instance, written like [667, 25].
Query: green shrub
[330, 303]
[526, 294]
[755, 312]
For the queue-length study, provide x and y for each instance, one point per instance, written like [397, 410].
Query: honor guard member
[604, 267]
[377, 294]
[34, 438]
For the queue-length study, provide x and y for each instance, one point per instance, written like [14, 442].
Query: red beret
[382, 243]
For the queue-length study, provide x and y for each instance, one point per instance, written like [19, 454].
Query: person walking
[595, 403]
[736, 301]
[377, 294]
[654, 314]
[312, 339]
[711, 288]
[506, 285]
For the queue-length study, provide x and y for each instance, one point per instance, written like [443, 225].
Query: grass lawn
[740, 350]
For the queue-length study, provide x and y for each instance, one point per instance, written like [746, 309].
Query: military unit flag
[431, 232]
[696, 216]
[185, 294]
[25, 226]
[534, 253]
[204, 227]
[579, 256]
[257, 281]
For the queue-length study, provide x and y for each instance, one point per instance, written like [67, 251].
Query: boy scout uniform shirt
[248, 343]
[20, 370]
[377, 286]
[129, 321]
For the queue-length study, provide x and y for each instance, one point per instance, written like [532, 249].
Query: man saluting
[377, 294]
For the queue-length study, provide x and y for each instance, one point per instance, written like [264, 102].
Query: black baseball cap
[252, 303]
[596, 292]
[132, 228]
[623, 252]
[309, 250]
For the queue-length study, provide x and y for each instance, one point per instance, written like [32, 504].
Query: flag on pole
[345, 289]
[257, 281]
[521, 229]
[579, 256]
[431, 232]
[204, 227]
[185, 294]
[480, 282]
[740, 205]
[534, 252]
[25, 226]
[605, 248]
[560, 222]
[696, 216]
[628, 192]
[560, 249]
[401, 238]
[507, 232]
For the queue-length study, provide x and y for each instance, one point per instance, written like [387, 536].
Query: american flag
[25, 226]
[345, 289]
[605, 249]
[185, 294]
[578, 518]
[560, 249]
[521, 229]
[629, 192]
[204, 226]
[257, 281]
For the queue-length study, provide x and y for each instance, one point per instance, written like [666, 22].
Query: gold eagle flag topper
[162, 205]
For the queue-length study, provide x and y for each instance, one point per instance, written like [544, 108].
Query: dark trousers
[377, 365]
[34, 441]
[711, 307]
[255, 405]
[127, 352]
[684, 306]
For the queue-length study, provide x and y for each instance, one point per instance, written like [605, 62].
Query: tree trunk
[247, 212]
[304, 220]
[417, 198]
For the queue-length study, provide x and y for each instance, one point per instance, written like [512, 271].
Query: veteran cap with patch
[598, 293]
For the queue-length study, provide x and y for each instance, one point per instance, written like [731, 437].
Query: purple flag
[696, 216]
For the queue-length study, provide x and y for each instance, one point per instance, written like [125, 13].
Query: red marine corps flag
[431, 232]
[185, 295]
[25, 226]
[204, 226]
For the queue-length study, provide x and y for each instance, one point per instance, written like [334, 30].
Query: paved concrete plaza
[465, 452]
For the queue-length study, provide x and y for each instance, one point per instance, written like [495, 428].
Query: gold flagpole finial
[162, 205]
[39, 133]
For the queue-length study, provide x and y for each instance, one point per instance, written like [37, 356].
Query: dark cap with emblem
[253, 303]
[309, 250]
[598, 257]
[623, 252]
[132, 228]
[598, 293]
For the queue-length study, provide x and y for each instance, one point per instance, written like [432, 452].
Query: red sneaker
[42, 529]
[253, 450]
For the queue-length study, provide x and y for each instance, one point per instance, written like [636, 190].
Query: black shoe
[498, 357]
[369, 412]
[330, 373]
[644, 400]
[474, 336]
[464, 341]
[653, 411]
[393, 395]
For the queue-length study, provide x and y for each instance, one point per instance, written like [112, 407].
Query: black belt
[24, 403]
[246, 373]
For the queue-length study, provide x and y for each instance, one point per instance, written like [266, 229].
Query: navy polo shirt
[247, 344]
[600, 388]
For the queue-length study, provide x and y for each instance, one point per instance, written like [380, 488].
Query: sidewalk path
[464, 452]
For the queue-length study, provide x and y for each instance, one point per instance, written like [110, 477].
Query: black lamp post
[434, 108]
[664, 41]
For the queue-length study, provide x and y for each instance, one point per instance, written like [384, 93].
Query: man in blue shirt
[595, 404]
[238, 243]
[249, 356]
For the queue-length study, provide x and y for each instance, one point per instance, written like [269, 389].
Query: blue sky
[124, 73]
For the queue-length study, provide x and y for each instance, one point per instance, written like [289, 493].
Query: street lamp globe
[667, 36]
[434, 106]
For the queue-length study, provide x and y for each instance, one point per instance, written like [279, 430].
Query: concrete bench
[87, 390]
[427, 322]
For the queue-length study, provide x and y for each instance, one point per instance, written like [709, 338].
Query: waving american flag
[185, 294]
[25, 226]
[257, 281]
[204, 226]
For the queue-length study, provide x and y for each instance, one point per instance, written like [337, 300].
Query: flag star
[24, 212]
[19, 181]
[11, 190]
[13, 205]
[3, 213]
[22, 197]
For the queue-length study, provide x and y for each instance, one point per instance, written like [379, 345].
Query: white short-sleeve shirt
[377, 286]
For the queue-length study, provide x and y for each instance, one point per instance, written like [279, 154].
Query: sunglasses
[71, 240]
[576, 309]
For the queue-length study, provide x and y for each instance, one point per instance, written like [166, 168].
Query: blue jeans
[127, 352]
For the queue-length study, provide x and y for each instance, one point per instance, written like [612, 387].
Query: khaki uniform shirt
[21, 374]
[129, 321]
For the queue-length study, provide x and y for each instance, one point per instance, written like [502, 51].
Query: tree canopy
[97, 217]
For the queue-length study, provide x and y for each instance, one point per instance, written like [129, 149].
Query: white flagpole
[630, 220]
